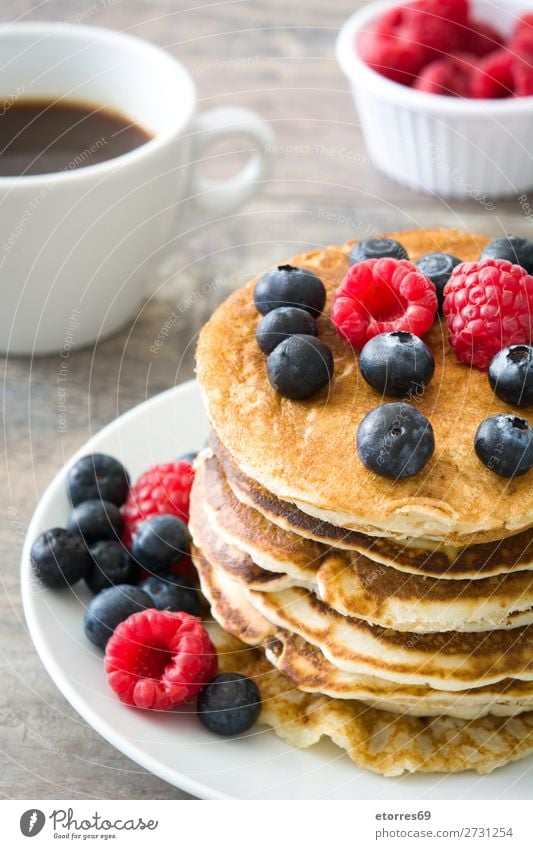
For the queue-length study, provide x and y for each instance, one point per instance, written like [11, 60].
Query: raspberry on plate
[381, 296]
[450, 76]
[158, 659]
[488, 305]
[165, 488]
[502, 74]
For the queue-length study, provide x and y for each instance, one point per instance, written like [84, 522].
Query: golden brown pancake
[514, 553]
[304, 451]
[347, 581]
[308, 669]
[446, 661]
[377, 740]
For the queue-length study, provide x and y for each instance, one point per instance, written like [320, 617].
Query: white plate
[176, 747]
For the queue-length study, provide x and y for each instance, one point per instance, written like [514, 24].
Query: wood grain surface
[274, 57]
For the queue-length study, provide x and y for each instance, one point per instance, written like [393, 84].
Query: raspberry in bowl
[444, 92]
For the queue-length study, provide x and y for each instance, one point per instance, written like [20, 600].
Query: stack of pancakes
[395, 617]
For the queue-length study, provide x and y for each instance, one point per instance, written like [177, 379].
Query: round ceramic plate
[175, 746]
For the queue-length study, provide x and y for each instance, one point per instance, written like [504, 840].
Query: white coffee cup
[79, 248]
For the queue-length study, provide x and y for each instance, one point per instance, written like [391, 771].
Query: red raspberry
[488, 305]
[450, 76]
[437, 24]
[382, 295]
[482, 39]
[521, 41]
[392, 56]
[158, 659]
[501, 74]
[162, 489]
[448, 10]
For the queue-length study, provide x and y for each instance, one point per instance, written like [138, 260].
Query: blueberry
[511, 375]
[299, 367]
[515, 249]
[95, 520]
[397, 363]
[281, 323]
[395, 441]
[504, 444]
[111, 607]
[377, 249]
[287, 286]
[172, 592]
[59, 557]
[160, 542]
[229, 704]
[111, 564]
[98, 476]
[438, 267]
[188, 457]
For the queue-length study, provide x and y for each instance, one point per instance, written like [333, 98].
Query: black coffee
[41, 137]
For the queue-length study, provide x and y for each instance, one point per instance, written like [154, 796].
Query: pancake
[348, 582]
[308, 669]
[512, 554]
[377, 740]
[304, 451]
[239, 566]
[446, 661]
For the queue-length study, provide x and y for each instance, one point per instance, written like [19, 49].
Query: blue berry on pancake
[395, 441]
[438, 267]
[229, 704]
[281, 323]
[377, 249]
[397, 363]
[288, 286]
[515, 249]
[504, 444]
[511, 375]
[299, 367]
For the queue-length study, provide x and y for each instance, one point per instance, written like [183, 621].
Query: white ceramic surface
[176, 747]
[452, 147]
[79, 249]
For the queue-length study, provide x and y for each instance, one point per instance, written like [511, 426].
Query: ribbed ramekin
[452, 147]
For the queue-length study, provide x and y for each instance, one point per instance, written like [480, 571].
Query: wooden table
[275, 57]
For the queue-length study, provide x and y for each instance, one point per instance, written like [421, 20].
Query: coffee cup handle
[220, 197]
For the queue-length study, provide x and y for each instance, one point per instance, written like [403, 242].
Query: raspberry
[450, 76]
[482, 39]
[158, 659]
[162, 489]
[521, 41]
[488, 305]
[501, 74]
[437, 25]
[392, 55]
[447, 10]
[380, 296]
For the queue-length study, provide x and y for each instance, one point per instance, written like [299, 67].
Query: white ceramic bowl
[452, 147]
